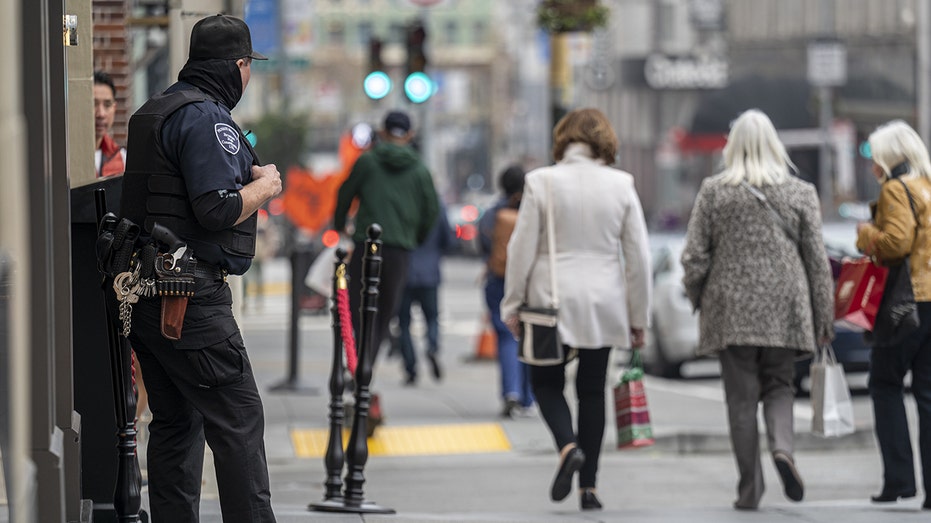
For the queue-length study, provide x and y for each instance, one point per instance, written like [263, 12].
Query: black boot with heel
[588, 500]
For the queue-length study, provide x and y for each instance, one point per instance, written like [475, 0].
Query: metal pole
[923, 38]
[825, 176]
[334, 458]
[357, 450]
[292, 383]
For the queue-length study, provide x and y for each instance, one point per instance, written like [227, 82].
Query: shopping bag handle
[634, 369]
[825, 353]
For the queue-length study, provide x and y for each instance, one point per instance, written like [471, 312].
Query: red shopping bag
[858, 292]
[630, 405]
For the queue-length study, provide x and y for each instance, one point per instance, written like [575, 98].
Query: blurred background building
[671, 75]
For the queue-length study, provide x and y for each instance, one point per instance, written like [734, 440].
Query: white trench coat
[602, 252]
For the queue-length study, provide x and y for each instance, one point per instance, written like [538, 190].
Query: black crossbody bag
[897, 317]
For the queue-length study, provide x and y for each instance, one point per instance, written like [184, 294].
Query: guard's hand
[637, 338]
[268, 175]
[513, 325]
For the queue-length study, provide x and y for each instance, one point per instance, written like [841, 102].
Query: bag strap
[775, 214]
[911, 202]
[550, 241]
[633, 371]
[825, 354]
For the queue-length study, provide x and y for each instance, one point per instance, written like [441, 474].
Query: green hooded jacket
[395, 190]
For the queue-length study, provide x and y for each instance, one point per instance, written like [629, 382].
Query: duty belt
[209, 272]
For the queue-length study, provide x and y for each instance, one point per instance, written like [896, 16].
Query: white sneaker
[527, 412]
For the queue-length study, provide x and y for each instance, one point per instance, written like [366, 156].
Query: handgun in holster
[174, 271]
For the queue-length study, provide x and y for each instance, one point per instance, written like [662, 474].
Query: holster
[175, 284]
[173, 309]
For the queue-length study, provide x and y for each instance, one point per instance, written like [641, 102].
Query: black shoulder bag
[897, 317]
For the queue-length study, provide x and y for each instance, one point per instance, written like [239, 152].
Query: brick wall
[111, 54]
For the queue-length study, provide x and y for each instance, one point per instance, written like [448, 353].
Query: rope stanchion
[345, 320]
[333, 458]
[127, 495]
[352, 499]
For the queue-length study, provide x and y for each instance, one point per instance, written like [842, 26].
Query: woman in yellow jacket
[902, 167]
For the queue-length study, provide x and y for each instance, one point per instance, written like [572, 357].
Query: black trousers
[391, 286]
[548, 385]
[197, 395]
[888, 366]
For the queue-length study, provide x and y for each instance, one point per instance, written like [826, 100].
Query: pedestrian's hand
[513, 325]
[824, 341]
[637, 339]
[268, 174]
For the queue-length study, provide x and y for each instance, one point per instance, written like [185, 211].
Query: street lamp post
[827, 68]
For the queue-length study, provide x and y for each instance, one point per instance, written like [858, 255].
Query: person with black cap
[395, 190]
[191, 169]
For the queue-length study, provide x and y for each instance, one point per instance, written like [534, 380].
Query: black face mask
[899, 170]
[218, 78]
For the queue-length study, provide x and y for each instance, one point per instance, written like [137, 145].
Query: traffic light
[376, 84]
[375, 62]
[418, 86]
[416, 58]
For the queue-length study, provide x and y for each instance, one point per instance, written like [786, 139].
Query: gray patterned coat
[753, 285]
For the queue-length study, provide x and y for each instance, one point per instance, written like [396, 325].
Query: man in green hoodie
[395, 190]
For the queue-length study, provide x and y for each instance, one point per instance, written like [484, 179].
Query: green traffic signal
[376, 85]
[418, 87]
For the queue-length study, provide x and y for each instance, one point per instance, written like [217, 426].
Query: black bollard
[334, 457]
[292, 383]
[127, 495]
[357, 450]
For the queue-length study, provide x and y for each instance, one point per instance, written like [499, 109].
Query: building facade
[678, 71]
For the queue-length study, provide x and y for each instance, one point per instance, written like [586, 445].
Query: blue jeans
[888, 366]
[515, 376]
[427, 298]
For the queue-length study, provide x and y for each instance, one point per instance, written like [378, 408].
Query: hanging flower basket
[564, 16]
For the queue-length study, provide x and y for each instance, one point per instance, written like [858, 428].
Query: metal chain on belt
[129, 287]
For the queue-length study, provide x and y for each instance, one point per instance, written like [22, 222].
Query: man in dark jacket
[189, 168]
[423, 285]
[395, 190]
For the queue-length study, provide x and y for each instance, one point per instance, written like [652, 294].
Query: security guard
[190, 168]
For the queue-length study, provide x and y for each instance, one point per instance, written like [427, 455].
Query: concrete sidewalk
[688, 475]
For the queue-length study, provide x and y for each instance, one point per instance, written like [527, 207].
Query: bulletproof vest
[154, 190]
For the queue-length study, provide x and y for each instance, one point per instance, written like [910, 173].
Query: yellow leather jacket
[894, 233]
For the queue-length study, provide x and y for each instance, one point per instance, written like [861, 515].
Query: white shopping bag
[320, 275]
[832, 409]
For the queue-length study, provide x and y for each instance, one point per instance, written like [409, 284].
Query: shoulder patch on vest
[228, 137]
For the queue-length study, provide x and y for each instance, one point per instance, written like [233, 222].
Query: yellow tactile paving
[420, 440]
[269, 289]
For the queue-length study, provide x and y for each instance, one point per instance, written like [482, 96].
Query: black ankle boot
[891, 496]
[588, 500]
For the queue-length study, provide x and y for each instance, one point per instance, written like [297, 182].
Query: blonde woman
[757, 272]
[603, 283]
[900, 161]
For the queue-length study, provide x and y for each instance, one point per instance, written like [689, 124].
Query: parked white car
[673, 336]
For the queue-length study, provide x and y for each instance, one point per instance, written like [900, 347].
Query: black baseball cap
[222, 37]
[397, 123]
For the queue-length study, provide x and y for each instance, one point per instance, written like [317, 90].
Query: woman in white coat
[602, 277]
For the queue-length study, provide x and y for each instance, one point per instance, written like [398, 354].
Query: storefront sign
[689, 72]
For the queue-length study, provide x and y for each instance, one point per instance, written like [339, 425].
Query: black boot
[588, 500]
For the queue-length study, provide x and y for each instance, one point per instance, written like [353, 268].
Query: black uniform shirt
[208, 147]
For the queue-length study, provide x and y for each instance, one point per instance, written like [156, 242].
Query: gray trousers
[752, 375]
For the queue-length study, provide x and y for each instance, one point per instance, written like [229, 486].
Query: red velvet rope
[345, 323]
[132, 372]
